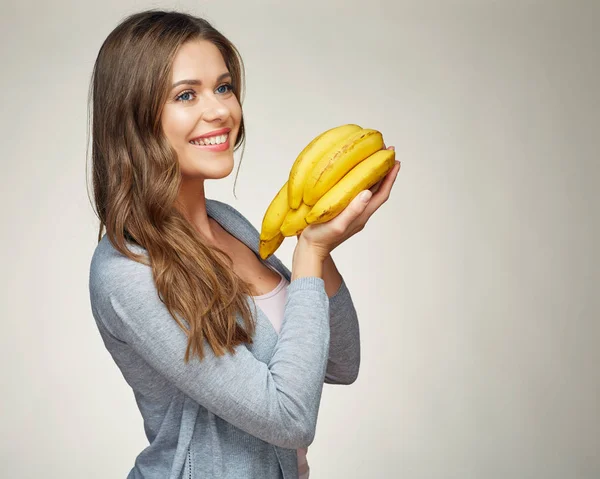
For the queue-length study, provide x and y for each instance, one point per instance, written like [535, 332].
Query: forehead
[199, 59]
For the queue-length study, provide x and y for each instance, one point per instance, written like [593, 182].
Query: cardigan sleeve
[343, 362]
[344, 345]
[344, 350]
[277, 402]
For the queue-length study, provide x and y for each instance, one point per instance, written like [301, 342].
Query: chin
[211, 169]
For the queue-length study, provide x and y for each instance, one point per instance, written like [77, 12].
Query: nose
[215, 110]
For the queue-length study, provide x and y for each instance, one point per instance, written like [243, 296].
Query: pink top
[273, 305]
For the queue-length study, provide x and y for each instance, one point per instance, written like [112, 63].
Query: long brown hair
[136, 177]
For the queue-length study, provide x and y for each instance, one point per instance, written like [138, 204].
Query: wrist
[308, 248]
[307, 261]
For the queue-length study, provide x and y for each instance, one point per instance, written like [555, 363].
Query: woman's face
[202, 116]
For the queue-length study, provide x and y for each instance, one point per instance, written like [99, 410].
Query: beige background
[476, 284]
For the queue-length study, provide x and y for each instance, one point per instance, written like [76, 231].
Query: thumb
[356, 207]
[363, 198]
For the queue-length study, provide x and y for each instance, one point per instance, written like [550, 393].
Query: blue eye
[226, 85]
[184, 98]
[183, 94]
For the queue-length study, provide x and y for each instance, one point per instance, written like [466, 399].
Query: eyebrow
[198, 82]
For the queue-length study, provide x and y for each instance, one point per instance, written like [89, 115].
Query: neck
[191, 201]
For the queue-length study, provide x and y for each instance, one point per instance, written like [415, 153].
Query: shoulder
[224, 209]
[112, 272]
[231, 217]
[244, 230]
[122, 292]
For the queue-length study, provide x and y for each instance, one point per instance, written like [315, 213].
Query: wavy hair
[136, 177]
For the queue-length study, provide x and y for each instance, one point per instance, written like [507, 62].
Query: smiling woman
[202, 113]
[148, 176]
[226, 388]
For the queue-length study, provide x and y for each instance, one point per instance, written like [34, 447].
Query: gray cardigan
[235, 416]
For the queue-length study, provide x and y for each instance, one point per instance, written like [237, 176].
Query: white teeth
[213, 140]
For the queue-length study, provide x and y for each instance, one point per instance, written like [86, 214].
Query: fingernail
[365, 196]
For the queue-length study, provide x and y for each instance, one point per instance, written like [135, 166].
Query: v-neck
[243, 231]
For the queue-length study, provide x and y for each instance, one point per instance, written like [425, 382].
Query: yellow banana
[361, 177]
[267, 247]
[275, 214]
[294, 222]
[338, 161]
[310, 155]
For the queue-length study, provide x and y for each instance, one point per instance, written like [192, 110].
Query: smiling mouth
[213, 140]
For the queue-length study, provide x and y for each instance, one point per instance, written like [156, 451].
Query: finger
[389, 176]
[377, 185]
[389, 180]
[384, 190]
[353, 211]
[378, 198]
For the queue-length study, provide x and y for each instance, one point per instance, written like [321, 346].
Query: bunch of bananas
[328, 173]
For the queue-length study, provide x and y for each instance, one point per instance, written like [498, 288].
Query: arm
[276, 402]
[344, 349]
[344, 344]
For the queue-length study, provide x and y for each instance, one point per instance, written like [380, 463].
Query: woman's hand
[325, 237]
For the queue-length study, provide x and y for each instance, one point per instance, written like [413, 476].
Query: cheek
[176, 124]
[236, 113]
[235, 109]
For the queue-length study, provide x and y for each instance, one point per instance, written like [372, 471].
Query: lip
[222, 131]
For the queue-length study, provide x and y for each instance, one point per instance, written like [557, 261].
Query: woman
[228, 386]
